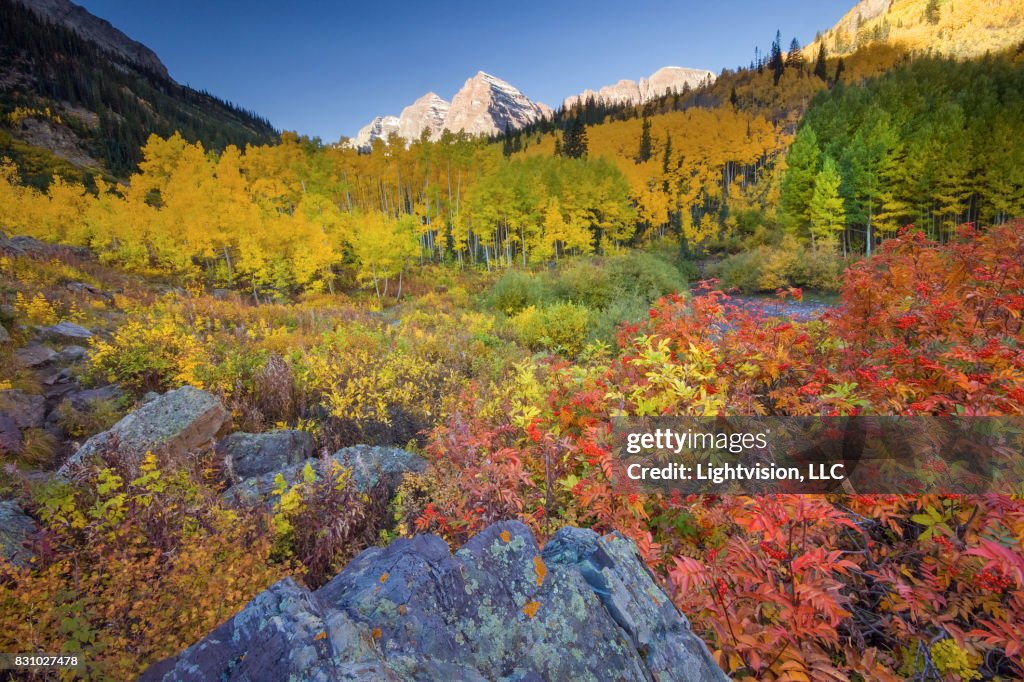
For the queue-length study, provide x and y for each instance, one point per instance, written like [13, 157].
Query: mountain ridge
[484, 105]
[665, 80]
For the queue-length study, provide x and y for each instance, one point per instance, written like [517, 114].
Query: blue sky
[326, 68]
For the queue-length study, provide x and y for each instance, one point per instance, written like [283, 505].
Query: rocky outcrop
[369, 464]
[666, 80]
[586, 608]
[15, 529]
[177, 422]
[251, 454]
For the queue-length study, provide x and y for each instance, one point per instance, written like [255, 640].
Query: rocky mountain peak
[665, 80]
[485, 105]
[426, 113]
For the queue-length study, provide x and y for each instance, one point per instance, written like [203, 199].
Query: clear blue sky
[326, 68]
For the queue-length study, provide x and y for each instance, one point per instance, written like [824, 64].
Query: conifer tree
[644, 153]
[826, 211]
[820, 65]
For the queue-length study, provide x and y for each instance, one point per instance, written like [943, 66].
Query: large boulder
[175, 423]
[66, 332]
[586, 608]
[15, 528]
[26, 410]
[250, 454]
[369, 464]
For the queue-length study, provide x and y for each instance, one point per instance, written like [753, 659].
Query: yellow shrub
[149, 355]
[37, 310]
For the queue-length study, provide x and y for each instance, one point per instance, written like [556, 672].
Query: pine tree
[776, 62]
[826, 210]
[931, 12]
[644, 153]
[840, 67]
[820, 65]
[574, 140]
[795, 58]
[798, 184]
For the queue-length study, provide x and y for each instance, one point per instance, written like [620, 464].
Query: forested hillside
[66, 105]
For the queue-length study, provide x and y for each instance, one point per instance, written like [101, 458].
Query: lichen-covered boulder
[369, 464]
[177, 422]
[280, 635]
[15, 529]
[586, 608]
[251, 454]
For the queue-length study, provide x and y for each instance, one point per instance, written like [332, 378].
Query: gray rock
[251, 454]
[15, 528]
[87, 399]
[11, 440]
[27, 410]
[66, 332]
[4, 336]
[369, 464]
[35, 355]
[81, 288]
[70, 355]
[180, 421]
[587, 608]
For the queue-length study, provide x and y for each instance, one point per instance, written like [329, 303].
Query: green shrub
[587, 283]
[562, 327]
[517, 290]
[646, 275]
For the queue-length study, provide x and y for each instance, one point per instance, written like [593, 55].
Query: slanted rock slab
[173, 424]
[34, 356]
[66, 332]
[26, 410]
[586, 608]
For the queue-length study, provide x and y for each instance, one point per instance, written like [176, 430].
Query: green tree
[827, 212]
[644, 153]
[574, 140]
[798, 184]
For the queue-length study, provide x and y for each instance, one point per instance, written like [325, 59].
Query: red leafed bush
[791, 587]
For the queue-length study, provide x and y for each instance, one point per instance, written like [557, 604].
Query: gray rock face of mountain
[100, 31]
[379, 128]
[427, 113]
[586, 608]
[486, 105]
[665, 80]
